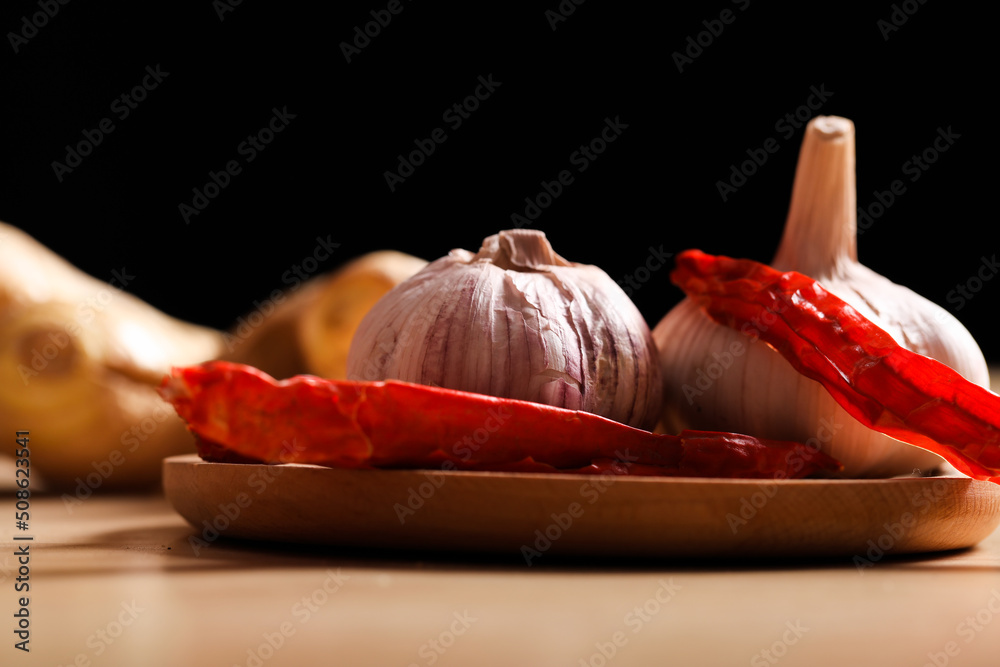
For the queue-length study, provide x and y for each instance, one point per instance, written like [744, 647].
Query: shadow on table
[186, 549]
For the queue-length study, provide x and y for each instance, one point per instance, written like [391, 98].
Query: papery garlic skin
[515, 320]
[723, 379]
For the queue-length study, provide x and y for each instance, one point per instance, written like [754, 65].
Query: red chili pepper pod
[238, 413]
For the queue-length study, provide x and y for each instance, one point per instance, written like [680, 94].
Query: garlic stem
[820, 236]
[521, 250]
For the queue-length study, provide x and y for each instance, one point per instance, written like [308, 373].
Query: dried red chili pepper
[239, 413]
[890, 389]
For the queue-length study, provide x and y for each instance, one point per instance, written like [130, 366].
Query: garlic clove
[717, 378]
[515, 320]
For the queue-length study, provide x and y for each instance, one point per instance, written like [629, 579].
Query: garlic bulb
[718, 378]
[515, 320]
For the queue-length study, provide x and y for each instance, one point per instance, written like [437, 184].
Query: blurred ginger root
[80, 359]
[79, 364]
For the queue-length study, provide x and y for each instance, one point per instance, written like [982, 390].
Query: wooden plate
[532, 515]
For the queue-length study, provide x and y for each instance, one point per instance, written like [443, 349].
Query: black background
[323, 176]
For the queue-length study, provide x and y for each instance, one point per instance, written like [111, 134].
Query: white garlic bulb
[718, 378]
[515, 320]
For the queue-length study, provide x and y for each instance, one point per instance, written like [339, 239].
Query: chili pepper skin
[890, 389]
[240, 414]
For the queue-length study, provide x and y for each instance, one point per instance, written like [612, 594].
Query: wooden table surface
[117, 581]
